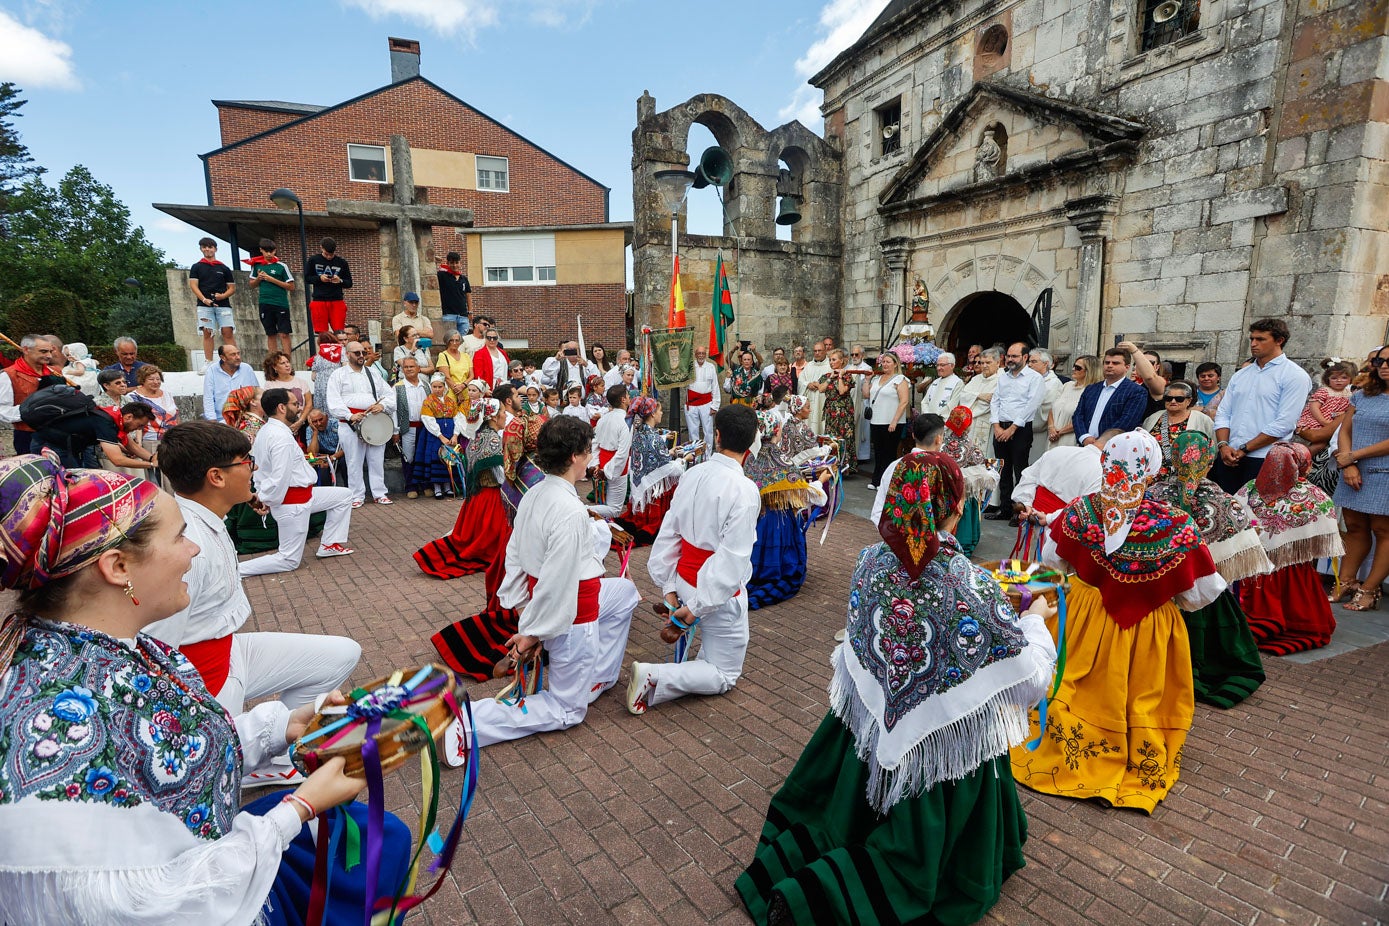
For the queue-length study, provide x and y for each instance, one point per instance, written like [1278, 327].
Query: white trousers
[723, 642]
[699, 421]
[616, 498]
[584, 663]
[299, 666]
[293, 524]
[354, 449]
[407, 444]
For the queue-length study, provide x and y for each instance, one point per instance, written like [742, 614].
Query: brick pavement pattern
[1279, 815]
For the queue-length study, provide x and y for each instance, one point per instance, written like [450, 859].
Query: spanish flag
[677, 299]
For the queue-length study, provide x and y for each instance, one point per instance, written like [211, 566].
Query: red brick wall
[238, 123]
[311, 159]
[545, 315]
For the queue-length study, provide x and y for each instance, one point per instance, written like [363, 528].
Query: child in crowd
[574, 405]
[551, 402]
[1327, 405]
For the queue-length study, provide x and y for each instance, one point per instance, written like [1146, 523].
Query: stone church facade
[1163, 171]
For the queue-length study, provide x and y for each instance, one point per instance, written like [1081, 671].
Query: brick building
[400, 176]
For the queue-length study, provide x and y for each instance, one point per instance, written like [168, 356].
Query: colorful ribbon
[1013, 573]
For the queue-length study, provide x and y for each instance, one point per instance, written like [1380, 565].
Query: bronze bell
[788, 211]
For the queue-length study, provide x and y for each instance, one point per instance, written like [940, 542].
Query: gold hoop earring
[130, 593]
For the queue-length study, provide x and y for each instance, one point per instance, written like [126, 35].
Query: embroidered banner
[671, 352]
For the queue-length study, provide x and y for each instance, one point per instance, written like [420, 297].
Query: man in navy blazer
[1116, 402]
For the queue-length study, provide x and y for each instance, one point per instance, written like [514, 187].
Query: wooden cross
[404, 211]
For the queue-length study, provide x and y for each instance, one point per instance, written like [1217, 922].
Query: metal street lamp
[284, 198]
[135, 284]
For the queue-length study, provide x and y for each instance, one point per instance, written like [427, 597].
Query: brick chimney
[405, 59]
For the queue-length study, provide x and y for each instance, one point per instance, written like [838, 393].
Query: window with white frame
[366, 163]
[493, 174]
[518, 260]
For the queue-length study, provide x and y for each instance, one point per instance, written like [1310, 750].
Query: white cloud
[468, 17]
[841, 23]
[168, 223]
[32, 59]
[446, 17]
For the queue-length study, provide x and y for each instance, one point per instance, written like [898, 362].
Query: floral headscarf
[960, 419]
[924, 492]
[1193, 455]
[54, 521]
[1284, 465]
[1297, 522]
[240, 402]
[796, 403]
[641, 407]
[1129, 463]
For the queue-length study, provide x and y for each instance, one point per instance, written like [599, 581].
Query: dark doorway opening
[986, 318]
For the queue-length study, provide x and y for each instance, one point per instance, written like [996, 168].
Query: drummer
[354, 392]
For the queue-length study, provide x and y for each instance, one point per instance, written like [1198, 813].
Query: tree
[76, 237]
[15, 163]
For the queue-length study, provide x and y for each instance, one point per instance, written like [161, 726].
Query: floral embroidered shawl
[483, 456]
[935, 676]
[1224, 522]
[653, 470]
[85, 718]
[1297, 522]
[745, 383]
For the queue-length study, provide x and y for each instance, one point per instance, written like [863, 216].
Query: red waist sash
[696, 399]
[588, 599]
[605, 455]
[1047, 501]
[691, 559]
[212, 659]
[298, 495]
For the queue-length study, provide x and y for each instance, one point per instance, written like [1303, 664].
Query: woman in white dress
[1085, 370]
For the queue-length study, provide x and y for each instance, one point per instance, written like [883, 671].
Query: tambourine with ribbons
[385, 722]
[1023, 583]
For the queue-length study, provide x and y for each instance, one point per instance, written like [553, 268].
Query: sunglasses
[1176, 398]
[492, 339]
[1379, 361]
[1078, 367]
[356, 353]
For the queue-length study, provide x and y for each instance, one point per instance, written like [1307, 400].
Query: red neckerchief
[259, 259]
[215, 263]
[22, 367]
[447, 269]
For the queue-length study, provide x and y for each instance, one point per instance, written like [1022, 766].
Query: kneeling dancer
[554, 576]
[702, 560]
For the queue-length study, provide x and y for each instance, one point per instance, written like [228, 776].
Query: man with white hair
[127, 362]
[944, 389]
[861, 425]
[1041, 361]
[702, 400]
[355, 391]
[21, 380]
[614, 375]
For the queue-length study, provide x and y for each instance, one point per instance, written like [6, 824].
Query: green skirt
[1224, 657]
[250, 535]
[968, 530]
[825, 856]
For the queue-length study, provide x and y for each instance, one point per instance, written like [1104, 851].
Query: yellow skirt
[1116, 727]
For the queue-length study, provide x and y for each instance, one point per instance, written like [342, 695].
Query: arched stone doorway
[985, 318]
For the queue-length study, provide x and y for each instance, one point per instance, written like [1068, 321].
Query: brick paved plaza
[1279, 815]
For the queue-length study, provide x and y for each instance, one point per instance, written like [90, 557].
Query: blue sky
[124, 86]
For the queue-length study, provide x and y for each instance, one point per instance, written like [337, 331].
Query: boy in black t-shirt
[212, 284]
[329, 276]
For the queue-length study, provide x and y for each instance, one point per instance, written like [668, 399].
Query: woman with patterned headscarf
[1116, 726]
[653, 472]
[902, 807]
[481, 529]
[1287, 609]
[1224, 658]
[779, 555]
[109, 737]
[442, 421]
[980, 480]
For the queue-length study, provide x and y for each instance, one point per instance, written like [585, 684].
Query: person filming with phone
[567, 367]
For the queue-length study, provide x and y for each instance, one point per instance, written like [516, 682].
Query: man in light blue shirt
[1017, 397]
[226, 374]
[1261, 406]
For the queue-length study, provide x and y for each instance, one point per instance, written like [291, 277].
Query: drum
[404, 705]
[376, 429]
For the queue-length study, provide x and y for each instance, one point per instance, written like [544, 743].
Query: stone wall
[784, 292]
[1257, 187]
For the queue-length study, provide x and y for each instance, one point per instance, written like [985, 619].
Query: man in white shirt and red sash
[288, 484]
[354, 392]
[613, 436]
[702, 401]
[209, 467]
[701, 560]
[554, 575]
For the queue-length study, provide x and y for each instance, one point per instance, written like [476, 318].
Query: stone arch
[984, 317]
[1011, 276]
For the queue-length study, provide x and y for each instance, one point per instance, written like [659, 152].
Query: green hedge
[171, 358]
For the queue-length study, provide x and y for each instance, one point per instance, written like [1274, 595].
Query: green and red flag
[722, 316]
